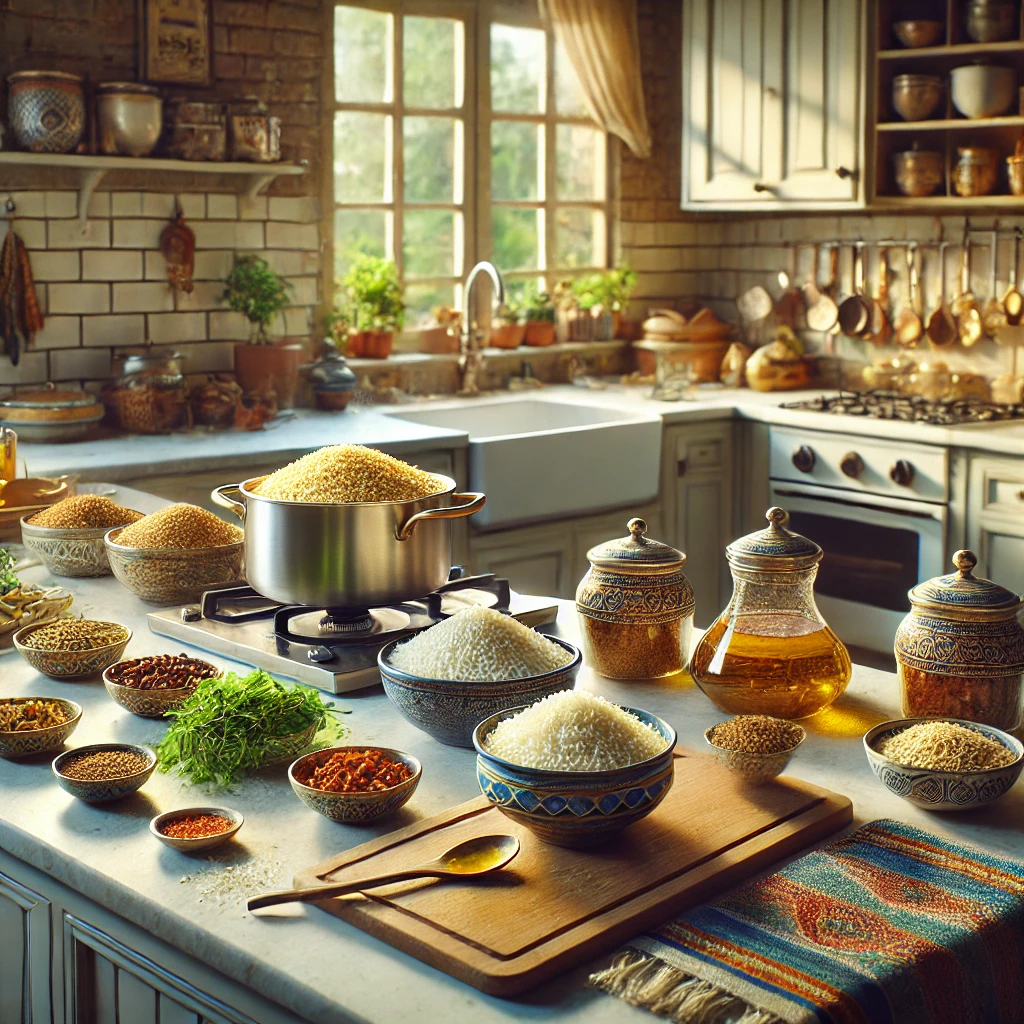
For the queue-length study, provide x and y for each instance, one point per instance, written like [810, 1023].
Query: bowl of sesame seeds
[103, 771]
[72, 649]
[758, 747]
[195, 829]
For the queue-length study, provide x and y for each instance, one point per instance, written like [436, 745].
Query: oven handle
[933, 517]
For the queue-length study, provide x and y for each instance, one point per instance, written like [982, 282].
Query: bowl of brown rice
[944, 764]
[172, 555]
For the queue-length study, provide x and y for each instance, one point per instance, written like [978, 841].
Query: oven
[879, 512]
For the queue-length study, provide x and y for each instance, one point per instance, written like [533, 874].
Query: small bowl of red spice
[355, 784]
[193, 829]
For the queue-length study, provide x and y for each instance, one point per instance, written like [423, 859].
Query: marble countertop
[292, 955]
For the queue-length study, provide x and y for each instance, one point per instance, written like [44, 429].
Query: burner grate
[893, 405]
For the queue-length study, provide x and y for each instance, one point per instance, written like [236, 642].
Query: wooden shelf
[996, 200]
[90, 170]
[952, 124]
[954, 50]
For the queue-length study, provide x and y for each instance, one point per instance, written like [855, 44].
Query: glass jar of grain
[635, 607]
[960, 650]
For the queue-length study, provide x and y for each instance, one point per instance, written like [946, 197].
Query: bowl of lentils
[172, 555]
[36, 725]
[194, 829]
[103, 771]
[68, 537]
[758, 747]
[152, 686]
[70, 649]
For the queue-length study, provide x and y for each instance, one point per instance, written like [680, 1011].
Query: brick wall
[108, 288]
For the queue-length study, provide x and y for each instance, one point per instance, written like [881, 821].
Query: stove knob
[804, 458]
[852, 465]
[902, 473]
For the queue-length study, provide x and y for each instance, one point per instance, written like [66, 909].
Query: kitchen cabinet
[995, 519]
[24, 953]
[772, 103]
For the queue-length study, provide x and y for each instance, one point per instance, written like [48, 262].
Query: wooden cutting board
[552, 908]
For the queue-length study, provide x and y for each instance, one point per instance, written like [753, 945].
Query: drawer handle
[1020, 495]
[681, 467]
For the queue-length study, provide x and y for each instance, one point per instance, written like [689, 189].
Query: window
[460, 136]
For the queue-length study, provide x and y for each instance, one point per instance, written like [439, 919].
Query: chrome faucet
[469, 340]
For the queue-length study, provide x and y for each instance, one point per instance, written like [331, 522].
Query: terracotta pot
[263, 368]
[438, 342]
[617, 323]
[508, 336]
[540, 333]
[370, 344]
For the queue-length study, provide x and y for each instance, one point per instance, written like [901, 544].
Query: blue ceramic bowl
[943, 791]
[575, 809]
[98, 792]
[355, 808]
[449, 710]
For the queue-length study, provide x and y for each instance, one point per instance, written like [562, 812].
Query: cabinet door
[733, 100]
[24, 955]
[1000, 551]
[822, 101]
[535, 564]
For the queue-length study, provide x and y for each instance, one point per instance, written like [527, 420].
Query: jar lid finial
[778, 517]
[637, 528]
[965, 561]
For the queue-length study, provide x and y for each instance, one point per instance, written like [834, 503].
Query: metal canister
[254, 136]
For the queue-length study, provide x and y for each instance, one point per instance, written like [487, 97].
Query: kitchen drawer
[1002, 485]
[804, 456]
[693, 454]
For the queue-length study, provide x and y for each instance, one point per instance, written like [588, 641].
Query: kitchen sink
[538, 458]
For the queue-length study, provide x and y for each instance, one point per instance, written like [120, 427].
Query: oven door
[876, 548]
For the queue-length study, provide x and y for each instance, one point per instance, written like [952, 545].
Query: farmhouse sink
[539, 458]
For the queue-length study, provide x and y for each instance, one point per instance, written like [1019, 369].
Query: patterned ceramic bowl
[173, 575]
[449, 710]
[943, 791]
[100, 791]
[154, 703]
[67, 552]
[25, 742]
[576, 809]
[355, 808]
[68, 666]
[755, 768]
[200, 843]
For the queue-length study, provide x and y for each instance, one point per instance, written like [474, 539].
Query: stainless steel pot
[347, 555]
[130, 118]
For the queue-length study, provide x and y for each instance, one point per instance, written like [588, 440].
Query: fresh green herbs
[8, 581]
[233, 725]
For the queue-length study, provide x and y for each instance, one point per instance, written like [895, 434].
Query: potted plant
[261, 366]
[375, 299]
[604, 294]
[540, 317]
[508, 329]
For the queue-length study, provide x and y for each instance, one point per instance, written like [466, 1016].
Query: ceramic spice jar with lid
[635, 607]
[960, 650]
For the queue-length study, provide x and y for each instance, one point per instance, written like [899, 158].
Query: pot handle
[220, 496]
[474, 502]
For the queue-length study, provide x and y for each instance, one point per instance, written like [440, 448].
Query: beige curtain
[601, 40]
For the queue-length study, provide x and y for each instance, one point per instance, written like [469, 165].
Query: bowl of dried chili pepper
[193, 829]
[355, 784]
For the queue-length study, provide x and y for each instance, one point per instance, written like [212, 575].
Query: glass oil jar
[770, 652]
[960, 650]
[635, 608]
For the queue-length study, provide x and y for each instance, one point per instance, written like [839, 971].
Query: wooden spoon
[1013, 301]
[881, 328]
[821, 307]
[941, 329]
[471, 858]
[908, 324]
[993, 316]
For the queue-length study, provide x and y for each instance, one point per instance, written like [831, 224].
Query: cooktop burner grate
[892, 405]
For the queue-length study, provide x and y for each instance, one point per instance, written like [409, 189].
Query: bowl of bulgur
[71, 649]
[36, 725]
[172, 555]
[68, 537]
[944, 764]
[758, 747]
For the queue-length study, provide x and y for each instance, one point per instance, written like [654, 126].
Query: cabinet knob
[844, 172]
[761, 186]
[1020, 494]
[771, 92]
[902, 473]
[852, 465]
[804, 458]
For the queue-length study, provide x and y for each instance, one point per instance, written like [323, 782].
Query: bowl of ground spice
[194, 829]
[103, 771]
[36, 725]
[172, 555]
[68, 537]
[758, 747]
[355, 784]
[944, 764]
[158, 683]
[70, 649]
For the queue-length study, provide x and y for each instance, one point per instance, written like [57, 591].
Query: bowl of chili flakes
[355, 784]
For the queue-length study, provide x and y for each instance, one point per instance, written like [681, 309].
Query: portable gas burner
[334, 649]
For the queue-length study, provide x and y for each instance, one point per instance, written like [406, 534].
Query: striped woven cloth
[889, 925]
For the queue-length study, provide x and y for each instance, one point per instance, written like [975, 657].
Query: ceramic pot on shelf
[46, 110]
[261, 369]
[130, 118]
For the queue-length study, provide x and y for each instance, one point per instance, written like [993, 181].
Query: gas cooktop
[892, 405]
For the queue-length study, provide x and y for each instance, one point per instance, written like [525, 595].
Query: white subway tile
[221, 207]
[211, 265]
[99, 204]
[138, 234]
[126, 204]
[79, 364]
[111, 265]
[114, 330]
[143, 297]
[204, 295]
[158, 204]
[169, 328]
[55, 266]
[193, 205]
[156, 265]
[304, 291]
[61, 204]
[59, 332]
[303, 209]
[79, 298]
[216, 235]
[252, 209]
[229, 326]
[292, 236]
[291, 262]
[32, 368]
[32, 232]
[66, 234]
[29, 204]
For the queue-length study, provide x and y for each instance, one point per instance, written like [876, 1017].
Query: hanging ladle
[993, 316]
[941, 329]
[908, 324]
[1013, 301]
[821, 307]
[855, 310]
[965, 307]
